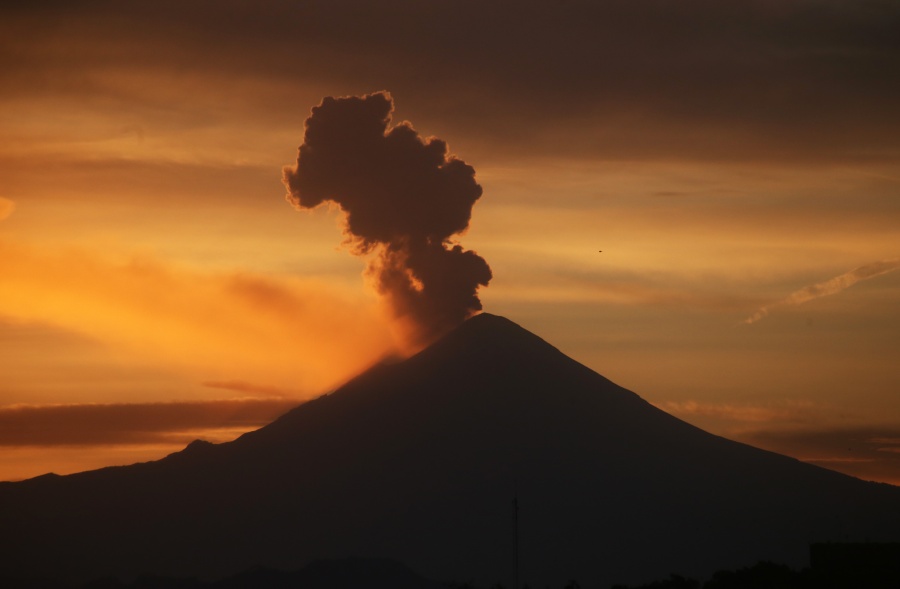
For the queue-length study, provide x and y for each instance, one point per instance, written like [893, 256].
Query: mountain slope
[419, 461]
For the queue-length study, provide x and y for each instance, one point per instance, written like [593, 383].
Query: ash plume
[405, 199]
[829, 287]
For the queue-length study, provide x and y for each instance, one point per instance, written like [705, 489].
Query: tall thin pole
[515, 541]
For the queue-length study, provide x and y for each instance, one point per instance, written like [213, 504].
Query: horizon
[699, 203]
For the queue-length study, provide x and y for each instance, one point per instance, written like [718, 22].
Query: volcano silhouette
[419, 461]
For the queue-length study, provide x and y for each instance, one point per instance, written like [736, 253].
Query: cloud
[557, 284]
[742, 414]
[871, 453]
[797, 428]
[255, 390]
[738, 79]
[302, 335]
[134, 423]
[6, 208]
[405, 199]
[829, 287]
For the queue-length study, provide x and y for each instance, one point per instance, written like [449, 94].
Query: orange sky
[723, 157]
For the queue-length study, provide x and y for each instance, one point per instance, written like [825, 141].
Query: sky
[738, 164]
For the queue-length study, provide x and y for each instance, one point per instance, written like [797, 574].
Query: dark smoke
[404, 199]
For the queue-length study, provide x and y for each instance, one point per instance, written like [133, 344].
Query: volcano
[419, 461]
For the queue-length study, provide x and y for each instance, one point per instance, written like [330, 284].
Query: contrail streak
[829, 287]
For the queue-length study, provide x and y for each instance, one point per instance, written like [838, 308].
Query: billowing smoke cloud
[405, 199]
[829, 287]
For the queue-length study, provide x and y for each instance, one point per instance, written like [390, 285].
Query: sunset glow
[731, 168]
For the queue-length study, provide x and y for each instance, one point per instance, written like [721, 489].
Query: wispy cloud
[829, 287]
[6, 207]
[795, 428]
[281, 330]
[796, 411]
[871, 453]
[252, 389]
[727, 110]
[95, 424]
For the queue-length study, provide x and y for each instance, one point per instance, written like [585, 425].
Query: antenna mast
[516, 541]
